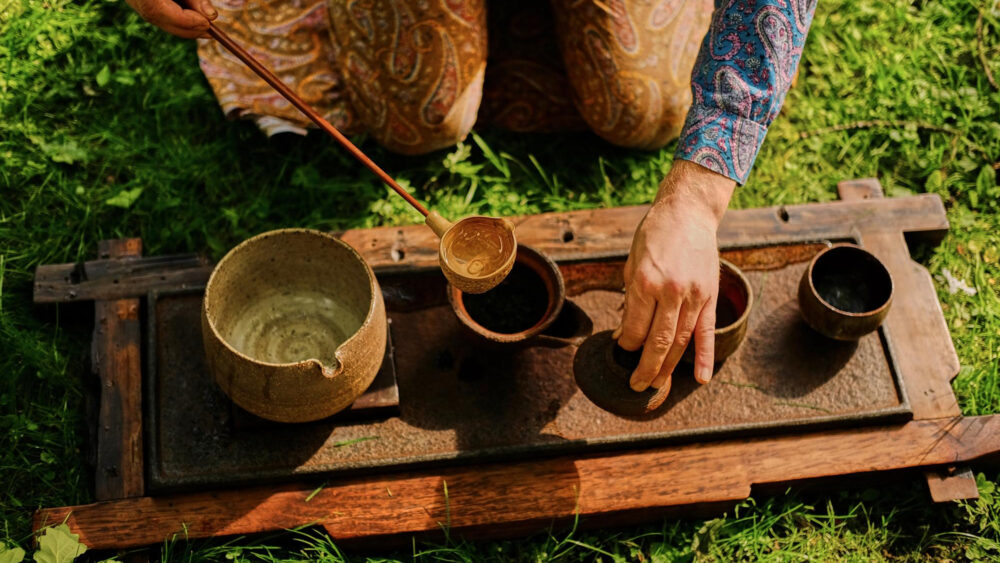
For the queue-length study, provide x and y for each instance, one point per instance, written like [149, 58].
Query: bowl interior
[734, 298]
[289, 296]
[851, 280]
[524, 300]
[478, 247]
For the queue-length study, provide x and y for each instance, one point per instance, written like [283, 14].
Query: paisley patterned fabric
[744, 69]
[629, 62]
[526, 87]
[290, 37]
[412, 72]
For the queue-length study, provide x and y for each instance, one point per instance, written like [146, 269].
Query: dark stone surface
[460, 399]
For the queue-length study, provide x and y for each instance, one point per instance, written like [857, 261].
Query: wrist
[697, 187]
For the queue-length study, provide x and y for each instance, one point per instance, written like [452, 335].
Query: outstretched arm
[745, 66]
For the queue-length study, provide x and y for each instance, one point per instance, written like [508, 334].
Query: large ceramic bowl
[294, 325]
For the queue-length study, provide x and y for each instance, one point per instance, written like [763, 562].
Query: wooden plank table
[510, 498]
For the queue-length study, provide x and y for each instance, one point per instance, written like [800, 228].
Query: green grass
[108, 129]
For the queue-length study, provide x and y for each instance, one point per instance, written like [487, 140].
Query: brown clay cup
[732, 312]
[526, 303]
[294, 325]
[845, 293]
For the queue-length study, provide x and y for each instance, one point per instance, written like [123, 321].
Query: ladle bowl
[476, 253]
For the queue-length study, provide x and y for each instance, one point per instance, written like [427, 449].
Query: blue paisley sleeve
[744, 68]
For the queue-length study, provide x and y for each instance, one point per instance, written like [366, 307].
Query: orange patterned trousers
[418, 74]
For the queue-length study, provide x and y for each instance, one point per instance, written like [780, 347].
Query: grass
[108, 129]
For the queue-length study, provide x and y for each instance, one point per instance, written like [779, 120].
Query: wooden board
[508, 498]
[517, 496]
[922, 323]
[562, 236]
[116, 357]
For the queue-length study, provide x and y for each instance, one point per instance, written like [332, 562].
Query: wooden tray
[511, 497]
[462, 399]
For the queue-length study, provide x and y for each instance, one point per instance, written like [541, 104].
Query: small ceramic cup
[731, 313]
[294, 325]
[845, 293]
[526, 303]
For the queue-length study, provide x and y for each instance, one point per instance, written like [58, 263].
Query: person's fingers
[185, 33]
[657, 345]
[687, 319]
[636, 318]
[208, 10]
[704, 342]
[173, 19]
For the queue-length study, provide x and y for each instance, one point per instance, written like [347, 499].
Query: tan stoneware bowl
[732, 312]
[294, 325]
[845, 293]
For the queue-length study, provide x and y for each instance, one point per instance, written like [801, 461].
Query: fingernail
[617, 333]
[704, 375]
[213, 14]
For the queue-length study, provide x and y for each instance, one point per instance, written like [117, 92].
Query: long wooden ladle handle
[296, 101]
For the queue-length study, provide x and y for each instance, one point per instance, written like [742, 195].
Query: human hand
[672, 276]
[188, 22]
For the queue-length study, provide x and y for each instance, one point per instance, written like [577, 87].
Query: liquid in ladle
[478, 246]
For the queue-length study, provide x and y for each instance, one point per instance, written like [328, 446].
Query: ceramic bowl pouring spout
[294, 325]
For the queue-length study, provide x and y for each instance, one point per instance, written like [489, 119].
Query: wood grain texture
[116, 360]
[860, 188]
[118, 277]
[924, 351]
[592, 233]
[513, 495]
[922, 344]
[517, 497]
[562, 236]
[948, 484]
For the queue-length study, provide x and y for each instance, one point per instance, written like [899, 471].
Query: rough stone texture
[461, 398]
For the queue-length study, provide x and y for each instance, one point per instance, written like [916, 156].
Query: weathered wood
[609, 231]
[951, 483]
[924, 352]
[922, 344]
[511, 495]
[114, 278]
[515, 497]
[860, 188]
[591, 233]
[116, 360]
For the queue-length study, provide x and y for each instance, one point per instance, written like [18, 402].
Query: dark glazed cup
[731, 313]
[526, 303]
[845, 293]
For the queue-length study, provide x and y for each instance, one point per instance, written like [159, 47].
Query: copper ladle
[476, 253]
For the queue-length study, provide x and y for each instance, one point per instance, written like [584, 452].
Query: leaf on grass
[11, 554]
[60, 151]
[125, 199]
[706, 535]
[986, 180]
[58, 545]
[104, 76]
